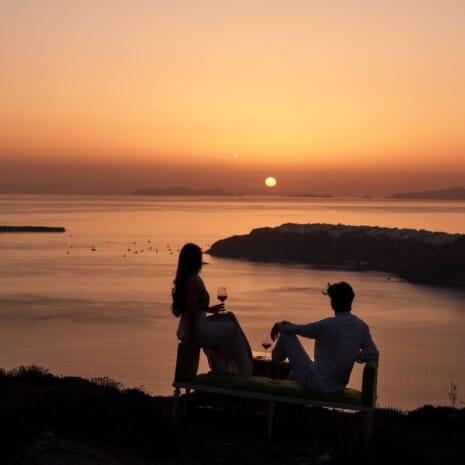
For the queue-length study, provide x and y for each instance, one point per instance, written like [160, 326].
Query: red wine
[222, 297]
[266, 345]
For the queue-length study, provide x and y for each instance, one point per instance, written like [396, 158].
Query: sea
[94, 301]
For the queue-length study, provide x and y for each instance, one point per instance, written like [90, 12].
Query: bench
[273, 390]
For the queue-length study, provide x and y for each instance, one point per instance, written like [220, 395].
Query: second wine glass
[266, 344]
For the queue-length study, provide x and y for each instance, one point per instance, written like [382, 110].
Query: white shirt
[339, 342]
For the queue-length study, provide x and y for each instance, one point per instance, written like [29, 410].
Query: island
[312, 195]
[31, 229]
[182, 190]
[454, 193]
[418, 256]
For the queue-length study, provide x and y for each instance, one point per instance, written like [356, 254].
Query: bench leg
[174, 408]
[188, 391]
[368, 428]
[271, 409]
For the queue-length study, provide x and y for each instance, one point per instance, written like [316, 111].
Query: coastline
[48, 419]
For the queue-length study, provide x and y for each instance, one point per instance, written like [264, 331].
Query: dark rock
[415, 255]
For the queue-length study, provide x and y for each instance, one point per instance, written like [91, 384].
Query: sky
[348, 97]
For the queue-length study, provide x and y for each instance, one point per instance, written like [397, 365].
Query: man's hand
[275, 331]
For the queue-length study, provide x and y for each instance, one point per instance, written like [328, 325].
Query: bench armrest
[370, 383]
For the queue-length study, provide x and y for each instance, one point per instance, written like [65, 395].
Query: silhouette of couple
[340, 341]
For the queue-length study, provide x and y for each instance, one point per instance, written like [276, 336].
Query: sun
[270, 181]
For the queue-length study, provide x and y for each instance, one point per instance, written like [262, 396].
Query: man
[339, 342]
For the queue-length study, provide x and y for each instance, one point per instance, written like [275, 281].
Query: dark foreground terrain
[50, 420]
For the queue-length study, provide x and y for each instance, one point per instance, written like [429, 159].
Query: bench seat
[273, 387]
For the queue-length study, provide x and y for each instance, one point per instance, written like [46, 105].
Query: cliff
[417, 256]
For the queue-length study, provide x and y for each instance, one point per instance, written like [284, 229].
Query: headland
[418, 256]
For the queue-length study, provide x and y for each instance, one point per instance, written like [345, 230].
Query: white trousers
[289, 346]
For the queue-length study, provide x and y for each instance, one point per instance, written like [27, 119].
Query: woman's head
[190, 260]
[189, 263]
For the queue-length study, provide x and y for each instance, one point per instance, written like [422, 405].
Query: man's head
[341, 295]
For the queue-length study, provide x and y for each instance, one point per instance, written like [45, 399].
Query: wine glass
[266, 344]
[222, 293]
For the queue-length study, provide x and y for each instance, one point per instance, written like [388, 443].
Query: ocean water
[85, 303]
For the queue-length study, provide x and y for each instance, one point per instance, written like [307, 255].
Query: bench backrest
[187, 364]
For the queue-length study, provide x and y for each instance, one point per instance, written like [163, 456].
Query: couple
[339, 341]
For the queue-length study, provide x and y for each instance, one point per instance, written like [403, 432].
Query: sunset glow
[333, 85]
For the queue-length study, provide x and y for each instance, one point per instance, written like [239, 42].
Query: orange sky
[252, 87]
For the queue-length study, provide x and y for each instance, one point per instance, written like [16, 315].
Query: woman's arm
[192, 297]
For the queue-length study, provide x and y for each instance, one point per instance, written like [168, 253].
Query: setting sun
[270, 181]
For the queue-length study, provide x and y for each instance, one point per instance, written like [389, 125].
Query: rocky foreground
[415, 255]
[50, 420]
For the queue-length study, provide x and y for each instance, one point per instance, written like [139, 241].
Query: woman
[220, 336]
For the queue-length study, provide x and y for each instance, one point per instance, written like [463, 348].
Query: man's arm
[368, 350]
[311, 330]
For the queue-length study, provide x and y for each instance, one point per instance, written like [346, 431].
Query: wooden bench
[273, 390]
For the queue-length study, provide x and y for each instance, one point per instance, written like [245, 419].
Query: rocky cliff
[415, 255]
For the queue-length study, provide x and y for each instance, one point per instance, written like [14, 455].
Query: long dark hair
[189, 263]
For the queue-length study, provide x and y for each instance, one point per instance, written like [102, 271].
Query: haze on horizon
[342, 97]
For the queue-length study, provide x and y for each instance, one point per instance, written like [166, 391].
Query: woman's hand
[217, 308]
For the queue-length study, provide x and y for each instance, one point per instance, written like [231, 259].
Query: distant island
[415, 255]
[31, 229]
[317, 196]
[454, 193]
[182, 190]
